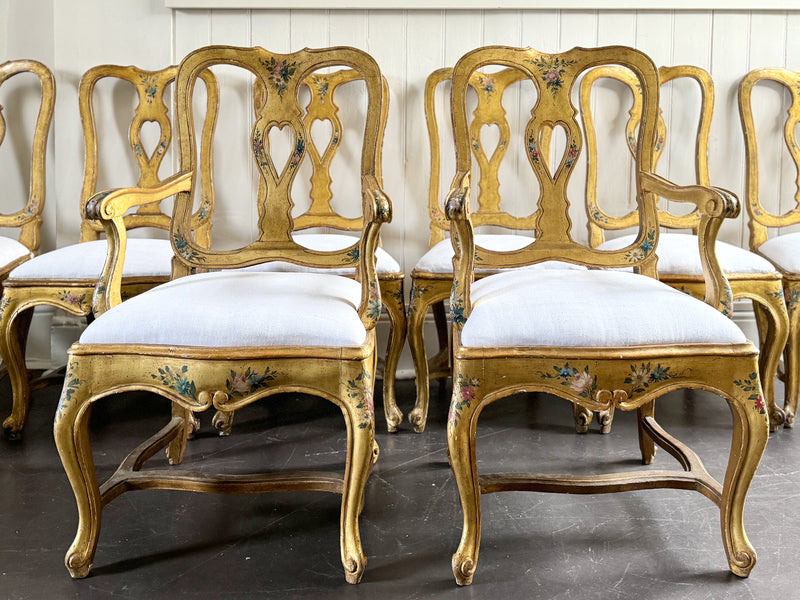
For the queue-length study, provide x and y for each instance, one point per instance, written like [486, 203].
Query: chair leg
[750, 434]
[582, 416]
[177, 447]
[773, 333]
[13, 339]
[361, 445]
[646, 444]
[71, 430]
[792, 357]
[416, 340]
[461, 449]
[393, 300]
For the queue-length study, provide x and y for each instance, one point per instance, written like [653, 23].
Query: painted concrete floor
[160, 544]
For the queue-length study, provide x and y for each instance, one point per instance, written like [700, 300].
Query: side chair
[28, 219]
[226, 337]
[65, 278]
[773, 219]
[751, 276]
[599, 337]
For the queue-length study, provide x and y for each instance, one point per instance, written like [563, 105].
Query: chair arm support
[456, 205]
[463, 240]
[109, 207]
[714, 205]
[377, 210]
[378, 206]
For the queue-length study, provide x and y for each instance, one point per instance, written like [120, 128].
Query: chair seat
[439, 259]
[327, 242]
[237, 308]
[144, 258]
[11, 250]
[678, 254]
[783, 251]
[591, 309]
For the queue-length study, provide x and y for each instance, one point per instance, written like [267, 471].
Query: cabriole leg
[646, 443]
[792, 365]
[392, 297]
[13, 336]
[773, 327]
[416, 340]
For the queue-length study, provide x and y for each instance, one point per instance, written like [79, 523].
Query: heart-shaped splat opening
[322, 135]
[282, 148]
[551, 141]
[149, 144]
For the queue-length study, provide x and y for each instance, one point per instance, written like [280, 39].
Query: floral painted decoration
[486, 84]
[374, 303]
[466, 393]
[361, 388]
[150, 88]
[71, 384]
[184, 249]
[752, 384]
[280, 72]
[241, 384]
[643, 250]
[572, 154]
[579, 381]
[642, 375]
[533, 149]
[552, 70]
[178, 382]
[321, 86]
[72, 299]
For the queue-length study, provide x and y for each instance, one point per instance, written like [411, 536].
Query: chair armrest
[463, 240]
[377, 210]
[109, 207]
[714, 205]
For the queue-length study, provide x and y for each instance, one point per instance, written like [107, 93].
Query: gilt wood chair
[432, 276]
[28, 219]
[66, 277]
[750, 275]
[321, 213]
[228, 337]
[598, 337]
[768, 214]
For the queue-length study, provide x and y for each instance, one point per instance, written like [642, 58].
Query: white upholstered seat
[327, 242]
[235, 308]
[784, 251]
[439, 259]
[144, 258]
[11, 250]
[678, 254]
[605, 308]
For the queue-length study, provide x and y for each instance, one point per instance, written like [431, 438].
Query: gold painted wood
[595, 378]
[763, 289]
[20, 296]
[196, 378]
[429, 290]
[761, 220]
[28, 220]
[322, 106]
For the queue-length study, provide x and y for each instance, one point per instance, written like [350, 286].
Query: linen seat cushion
[143, 258]
[678, 254]
[11, 250]
[783, 251]
[589, 309]
[327, 242]
[439, 259]
[237, 309]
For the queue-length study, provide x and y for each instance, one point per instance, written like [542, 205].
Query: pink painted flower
[534, 154]
[276, 69]
[370, 402]
[760, 402]
[240, 384]
[551, 76]
[573, 153]
[468, 393]
[580, 382]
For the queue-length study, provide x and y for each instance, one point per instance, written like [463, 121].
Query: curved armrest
[456, 205]
[110, 207]
[463, 240]
[714, 205]
[377, 210]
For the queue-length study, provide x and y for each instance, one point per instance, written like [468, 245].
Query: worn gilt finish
[197, 378]
[28, 220]
[765, 290]
[627, 378]
[430, 290]
[322, 107]
[21, 296]
[762, 219]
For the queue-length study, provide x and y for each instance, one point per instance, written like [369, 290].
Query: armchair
[66, 277]
[228, 337]
[750, 275]
[600, 337]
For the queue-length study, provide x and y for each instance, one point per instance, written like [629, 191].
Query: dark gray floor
[158, 544]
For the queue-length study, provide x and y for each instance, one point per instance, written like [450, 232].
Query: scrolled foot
[776, 419]
[354, 568]
[223, 422]
[393, 419]
[11, 431]
[194, 425]
[77, 565]
[788, 420]
[583, 417]
[743, 562]
[605, 418]
[463, 569]
[417, 419]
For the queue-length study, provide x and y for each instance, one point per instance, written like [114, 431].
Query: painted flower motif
[249, 381]
[184, 249]
[760, 404]
[150, 88]
[533, 150]
[639, 377]
[280, 72]
[635, 255]
[360, 389]
[487, 85]
[72, 299]
[239, 384]
[297, 155]
[551, 70]
[321, 86]
[176, 381]
[580, 382]
[572, 154]
[752, 384]
[467, 388]
[552, 76]
[660, 142]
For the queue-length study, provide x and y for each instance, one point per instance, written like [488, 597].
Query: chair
[322, 107]
[229, 337]
[750, 275]
[768, 212]
[28, 220]
[598, 337]
[432, 276]
[66, 277]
